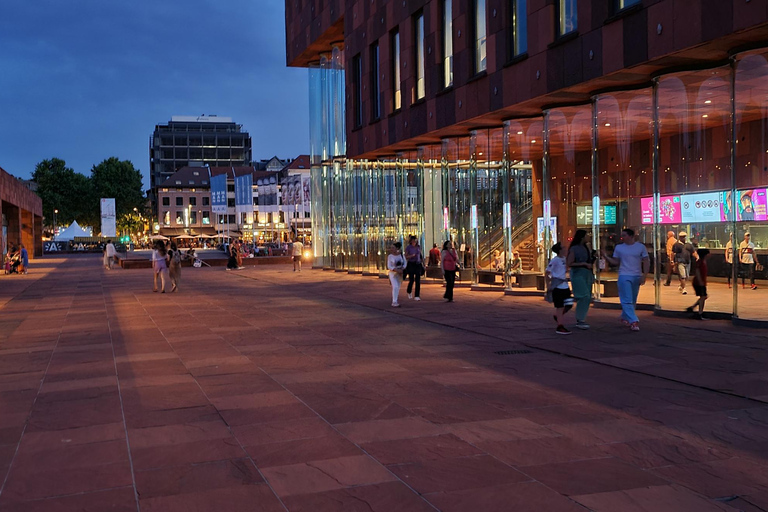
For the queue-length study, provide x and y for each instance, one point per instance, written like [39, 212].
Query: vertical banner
[108, 217]
[306, 194]
[219, 194]
[244, 196]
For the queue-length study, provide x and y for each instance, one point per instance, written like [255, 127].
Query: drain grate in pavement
[513, 352]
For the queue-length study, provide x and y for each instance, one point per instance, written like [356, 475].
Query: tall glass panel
[569, 173]
[354, 211]
[490, 255]
[523, 199]
[457, 199]
[694, 179]
[623, 166]
[338, 218]
[397, 99]
[429, 161]
[391, 231]
[750, 246]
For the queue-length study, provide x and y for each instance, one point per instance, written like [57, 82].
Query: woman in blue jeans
[634, 264]
[580, 262]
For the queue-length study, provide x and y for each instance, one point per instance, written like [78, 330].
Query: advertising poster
[108, 217]
[219, 193]
[669, 210]
[751, 205]
[306, 196]
[701, 207]
[552, 229]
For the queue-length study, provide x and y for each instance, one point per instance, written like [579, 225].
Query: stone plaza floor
[266, 389]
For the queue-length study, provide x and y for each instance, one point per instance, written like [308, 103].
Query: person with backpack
[174, 269]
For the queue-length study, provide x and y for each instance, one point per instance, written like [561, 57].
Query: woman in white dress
[395, 265]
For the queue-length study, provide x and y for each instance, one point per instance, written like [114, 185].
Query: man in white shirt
[747, 259]
[298, 249]
[111, 254]
[634, 264]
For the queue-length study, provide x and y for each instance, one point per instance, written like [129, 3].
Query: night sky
[84, 80]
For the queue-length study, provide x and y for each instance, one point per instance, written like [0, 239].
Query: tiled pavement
[271, 390]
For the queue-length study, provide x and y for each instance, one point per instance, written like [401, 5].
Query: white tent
[71, 232]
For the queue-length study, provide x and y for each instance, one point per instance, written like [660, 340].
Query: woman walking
[580, 261]
[449, 261]
[160, 265]
[395, 265]
[232, 261]
[415, 259]
[174, 271]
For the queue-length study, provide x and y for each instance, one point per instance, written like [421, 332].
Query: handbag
[422, 270]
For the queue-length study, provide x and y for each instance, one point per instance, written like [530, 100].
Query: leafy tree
[118, 179]
[63, 189]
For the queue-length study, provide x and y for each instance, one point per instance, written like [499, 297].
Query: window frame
[479, 46]
[559, 27]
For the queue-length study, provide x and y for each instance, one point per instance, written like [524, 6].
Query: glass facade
[688, 154]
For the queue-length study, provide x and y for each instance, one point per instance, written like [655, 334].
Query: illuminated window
[418, 29]
[623, 4]
[447, 43]
[480, 35]
[567, 21]
[519, 20]
[396, 94]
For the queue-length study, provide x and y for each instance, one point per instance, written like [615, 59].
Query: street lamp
[54, 222]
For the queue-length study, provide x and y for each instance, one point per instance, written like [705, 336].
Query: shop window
[567, 20]
[193, 217]
[179, 218]
[447, 42]
[206, 218]
[166, 218]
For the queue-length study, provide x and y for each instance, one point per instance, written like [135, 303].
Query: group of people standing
[16, 260]
[166, 265]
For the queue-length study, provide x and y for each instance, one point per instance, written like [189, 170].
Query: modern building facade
[22, 216]
[196, 141]
[506, 125]
[184, 204]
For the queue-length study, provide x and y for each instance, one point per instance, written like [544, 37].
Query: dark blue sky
[84, 80]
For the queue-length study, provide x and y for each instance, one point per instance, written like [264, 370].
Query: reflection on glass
[568, 17]
[480, 34]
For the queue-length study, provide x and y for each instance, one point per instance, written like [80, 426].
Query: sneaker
[679, 288]
[685, 292]
[754, 286]
[582, 325]
[625, 323]
[634, 326]
[395, 305]
[689, 309]
[416, 298]
[562, 330]
[410, 295]
[666, 284]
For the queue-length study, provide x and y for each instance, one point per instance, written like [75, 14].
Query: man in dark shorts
[700, 283]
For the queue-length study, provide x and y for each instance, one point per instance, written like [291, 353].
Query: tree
[63, 189]
[119, 179]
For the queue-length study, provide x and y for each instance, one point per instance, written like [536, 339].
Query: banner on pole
[244, 196]
[219, 194]
[108, 217]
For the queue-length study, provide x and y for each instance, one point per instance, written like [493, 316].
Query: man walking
[671, 241]
[684, 251]
[298, 250]
[111, 254]
[634, 264]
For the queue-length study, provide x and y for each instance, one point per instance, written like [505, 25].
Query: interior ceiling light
[708, 102]
[705, 115]
[607, 124]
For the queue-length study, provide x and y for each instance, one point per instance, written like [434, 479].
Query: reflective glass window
[567, 19]
[480, 37]
[447, 17]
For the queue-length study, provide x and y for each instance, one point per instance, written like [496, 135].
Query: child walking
[557, 287]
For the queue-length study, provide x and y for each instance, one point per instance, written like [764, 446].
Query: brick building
[507, 125]
[22, 216]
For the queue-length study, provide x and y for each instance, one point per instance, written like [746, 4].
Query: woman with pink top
[449, 261]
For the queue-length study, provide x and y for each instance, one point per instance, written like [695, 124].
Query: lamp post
[54, 222]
